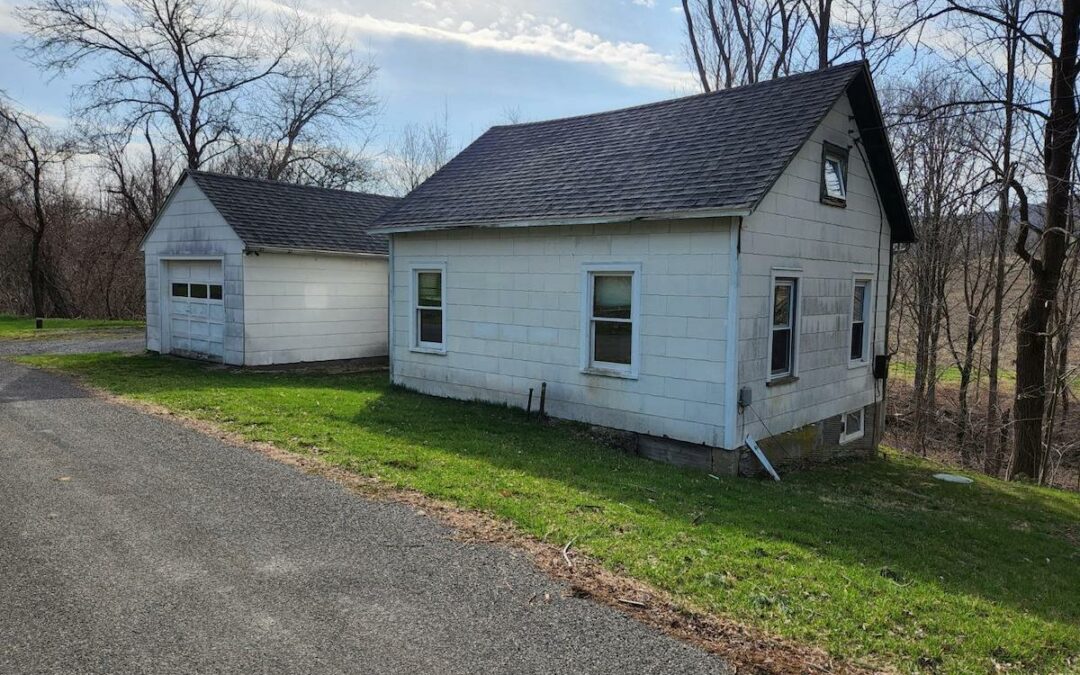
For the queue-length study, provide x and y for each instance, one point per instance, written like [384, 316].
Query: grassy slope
[874, 560]
[19, 327]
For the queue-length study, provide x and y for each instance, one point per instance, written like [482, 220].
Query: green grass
[14, 327]
[950, 375]
[874, 561]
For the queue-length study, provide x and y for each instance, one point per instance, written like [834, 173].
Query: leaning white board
[762, 458]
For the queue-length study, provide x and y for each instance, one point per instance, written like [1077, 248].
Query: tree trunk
[1046, 272]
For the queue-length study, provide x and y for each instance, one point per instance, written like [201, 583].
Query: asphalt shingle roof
[272, 214]
[718, 151]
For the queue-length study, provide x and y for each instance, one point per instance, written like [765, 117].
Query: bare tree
[182, 63]
[30, 157]
[418, 152]
[323, 90]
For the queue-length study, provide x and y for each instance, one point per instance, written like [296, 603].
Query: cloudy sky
[477, 59]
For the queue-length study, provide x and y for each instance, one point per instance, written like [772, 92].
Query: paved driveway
[132, 545]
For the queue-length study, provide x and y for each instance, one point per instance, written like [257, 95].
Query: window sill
[844, 440]
[834, 201]
[779, 381]
[428, 350]
[852, 365]
[610, 372]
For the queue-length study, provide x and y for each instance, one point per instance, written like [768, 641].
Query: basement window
[834, 162]
[852, 425]
[429, 305]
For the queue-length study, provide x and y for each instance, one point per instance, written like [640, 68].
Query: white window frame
[838, 154]
[415, 344]
[795, 274]
[845, 436]
[588, 366]
[868, 318]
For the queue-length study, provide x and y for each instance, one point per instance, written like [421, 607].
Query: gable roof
[273, 215]
[705, 155]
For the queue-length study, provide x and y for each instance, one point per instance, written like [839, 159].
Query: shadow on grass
[878, 524]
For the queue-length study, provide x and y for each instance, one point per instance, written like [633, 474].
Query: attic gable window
[834, 162]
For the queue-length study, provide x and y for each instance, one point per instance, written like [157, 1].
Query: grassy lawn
[950, 375]
[15, 327]
[874, 561]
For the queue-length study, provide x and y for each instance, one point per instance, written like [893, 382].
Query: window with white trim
[610, 319]
[834, 160]
[783, 336]
[860, 321]
[852, 425]
[429, 326]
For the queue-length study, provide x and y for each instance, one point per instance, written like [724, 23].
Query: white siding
[314, 308]
[514, 320]
[191, 226]
[793, 229]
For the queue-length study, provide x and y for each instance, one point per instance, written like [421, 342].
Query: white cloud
[633, 63]
[645, 3]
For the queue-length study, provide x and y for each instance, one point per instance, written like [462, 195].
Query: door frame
[165, 296]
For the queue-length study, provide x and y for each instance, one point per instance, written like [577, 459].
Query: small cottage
[255, 272]
[701, 273]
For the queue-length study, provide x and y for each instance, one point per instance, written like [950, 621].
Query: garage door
[196, 309]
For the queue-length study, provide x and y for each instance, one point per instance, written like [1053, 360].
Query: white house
[695, 271]
[256, 272]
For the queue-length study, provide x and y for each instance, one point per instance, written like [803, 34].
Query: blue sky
[475, 58]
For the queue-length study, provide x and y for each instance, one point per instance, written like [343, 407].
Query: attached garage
[253, 272]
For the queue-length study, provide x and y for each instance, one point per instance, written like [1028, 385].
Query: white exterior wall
[827, 245]
[191, 227]
[314, 308]
[514, 318]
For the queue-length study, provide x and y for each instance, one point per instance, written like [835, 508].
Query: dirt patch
[745, 649]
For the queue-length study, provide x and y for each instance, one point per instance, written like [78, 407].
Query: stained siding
[191, 226]
[793, 229]
[514, 320]
[314, 308]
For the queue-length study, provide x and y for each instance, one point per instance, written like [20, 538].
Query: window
[215, 291]
[179, 290]
[198, 290]
[851, 425]
[429, 329]
[834, 160]
[783, 337]
[860, 318]
[609, 330]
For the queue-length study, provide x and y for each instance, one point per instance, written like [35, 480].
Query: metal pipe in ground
[543, 400]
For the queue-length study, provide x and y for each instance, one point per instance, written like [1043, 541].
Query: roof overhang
[595, 219]
[312, 251]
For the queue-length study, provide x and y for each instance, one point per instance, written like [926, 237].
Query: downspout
[731, 348]
[879, 403]
[390, 308]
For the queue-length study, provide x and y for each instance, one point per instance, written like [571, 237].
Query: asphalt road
[129, 544]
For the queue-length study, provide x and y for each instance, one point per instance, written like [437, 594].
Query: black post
[39, 323]
[528, 408]
[543, 399]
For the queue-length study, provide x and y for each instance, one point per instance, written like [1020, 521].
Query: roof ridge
[682, 99]
[284, 183]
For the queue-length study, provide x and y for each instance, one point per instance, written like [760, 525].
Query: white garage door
[196, 309]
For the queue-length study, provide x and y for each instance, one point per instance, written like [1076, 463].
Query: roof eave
[311, 251]
[597, 219]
